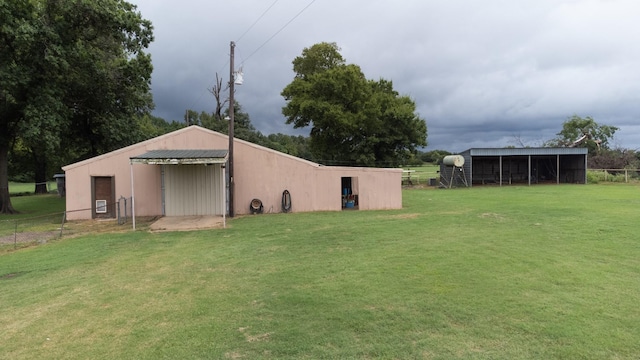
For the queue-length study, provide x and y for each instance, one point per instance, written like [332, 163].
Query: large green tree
[109, 90]
[75, 76]
[584, 132]
[354, 121]
[16, 30]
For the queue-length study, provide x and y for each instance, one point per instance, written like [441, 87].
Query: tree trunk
[217, 91]
[40, 174]
[5, 199]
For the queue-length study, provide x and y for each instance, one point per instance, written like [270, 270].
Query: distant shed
[528, 166]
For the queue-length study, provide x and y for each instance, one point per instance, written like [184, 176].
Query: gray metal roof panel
[525, 151]
[181, 157]
[182, 154]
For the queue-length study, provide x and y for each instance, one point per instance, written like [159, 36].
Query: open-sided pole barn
[529, 166]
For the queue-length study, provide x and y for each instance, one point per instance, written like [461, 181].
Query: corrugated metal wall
[519, 165]
[457, 177]
[193, 190]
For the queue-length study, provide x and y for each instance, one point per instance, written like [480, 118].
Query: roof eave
[195, 161]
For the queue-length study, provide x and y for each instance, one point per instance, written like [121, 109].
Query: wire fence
[25, 231]
[29, 188]
[595, 176]
[51, 186]
[121, 210]
[124, 210]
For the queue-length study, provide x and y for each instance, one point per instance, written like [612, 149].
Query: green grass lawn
[35, 205]
[29, 188]
[542, 272]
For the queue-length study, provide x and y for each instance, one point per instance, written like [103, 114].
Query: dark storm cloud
[491, 73]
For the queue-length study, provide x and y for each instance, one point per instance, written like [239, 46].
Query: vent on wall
[101, 206]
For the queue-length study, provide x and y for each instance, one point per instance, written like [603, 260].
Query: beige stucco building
[185, 173]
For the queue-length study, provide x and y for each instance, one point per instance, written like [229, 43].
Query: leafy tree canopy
[354, 121]
[584, 132]
[244, 129]
[74, 76]
[318, 58]
[434, 156]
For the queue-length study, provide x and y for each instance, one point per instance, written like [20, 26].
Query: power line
[280, 30]
[239, 38]
[272, 36]
[257, 20]
[264, 43]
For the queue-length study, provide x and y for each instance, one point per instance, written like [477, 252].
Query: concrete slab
[187, 223]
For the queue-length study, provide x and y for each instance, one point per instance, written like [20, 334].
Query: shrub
[596, 176]
[593, 177]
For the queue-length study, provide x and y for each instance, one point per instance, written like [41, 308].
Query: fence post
[118, 209]
[64, 218]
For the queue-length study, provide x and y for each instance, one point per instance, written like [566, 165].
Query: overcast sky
[489, 73]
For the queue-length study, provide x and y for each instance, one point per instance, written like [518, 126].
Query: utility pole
[231, 121]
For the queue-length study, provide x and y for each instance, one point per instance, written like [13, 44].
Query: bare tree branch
[518, 140]
[217, 93]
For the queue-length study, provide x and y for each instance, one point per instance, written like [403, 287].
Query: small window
[101, 206]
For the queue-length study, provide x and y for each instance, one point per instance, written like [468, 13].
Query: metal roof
[178, 157]
[524, 151]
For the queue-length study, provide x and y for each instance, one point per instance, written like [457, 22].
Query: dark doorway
[349, 193]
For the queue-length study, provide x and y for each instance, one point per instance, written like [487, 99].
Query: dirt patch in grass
[12, 275]
[401, 216]
[26, 237]
[254, 338]
[492, 216]
[72, 229]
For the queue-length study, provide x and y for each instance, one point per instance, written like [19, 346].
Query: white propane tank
[453, 160]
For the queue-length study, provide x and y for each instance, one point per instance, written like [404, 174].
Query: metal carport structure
[505, 166]
[194, 177]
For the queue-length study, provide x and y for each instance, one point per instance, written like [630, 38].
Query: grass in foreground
[512, 273]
